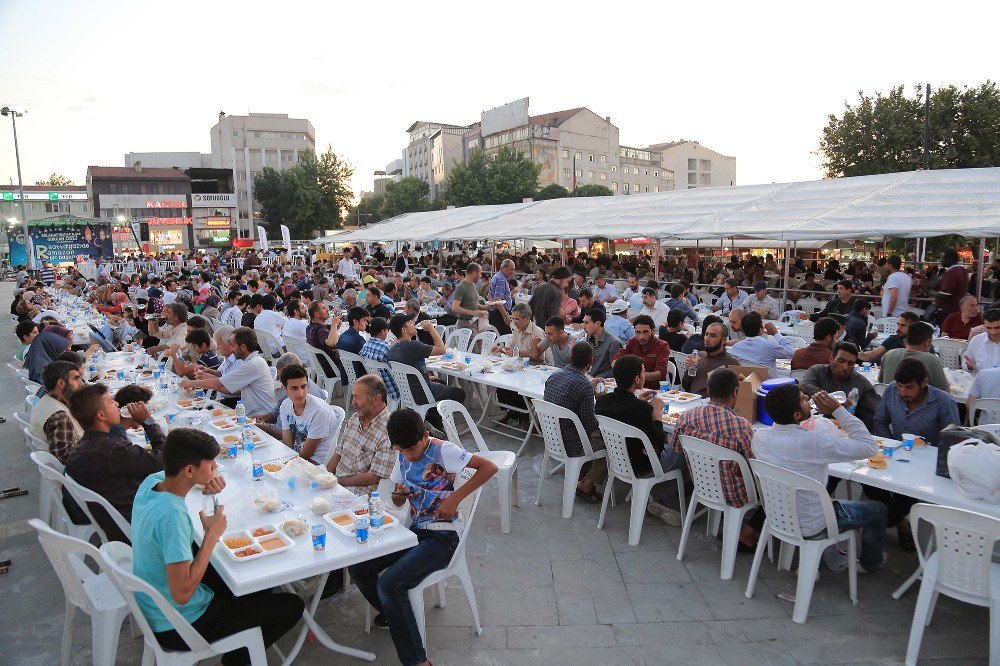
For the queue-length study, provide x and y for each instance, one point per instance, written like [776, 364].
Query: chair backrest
[270, 347]
[810, 305]
[467, 509]
[779, 490]
[442, 330]
[117, 559]
[796, 341]
[339, 415]
[84, 496]
[798, 374]
[33, 441]
[964, 543]
[680, 358]
[317, 368]
[23, 419]
[401, 374]
[504, 340]
[352, 363]
[67, 555]
[483, 343]
[448, 409]
[549, 415]
[459, 339]
[990, 407]
[97, 337]
[804, 330]
[950, 354]
[51, 471]
[298, 347]
[880, 388]
[705, 460]
[615, 433]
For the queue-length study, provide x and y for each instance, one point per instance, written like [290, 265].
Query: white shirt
[169, 297]
[347, 268]
[901, 282]
[232, 317]
[271, 322]
[296, 328]
[658, 312]
[609, 292]
[316, 422]
[984, 352]
[808, 452]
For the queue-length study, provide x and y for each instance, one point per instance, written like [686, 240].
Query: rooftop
[45, 188]
[555, 118]
[135, 173]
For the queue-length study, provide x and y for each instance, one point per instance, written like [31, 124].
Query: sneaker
[666, 514]
[380, 621]
[863, 569]
[834, 559]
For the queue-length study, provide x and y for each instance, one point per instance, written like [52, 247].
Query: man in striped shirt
[377, 349]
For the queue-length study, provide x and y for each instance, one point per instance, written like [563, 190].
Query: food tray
[347, 528]
[258, 441]
[257, 543]
[192, 403]
[221, 411]
[678, 396]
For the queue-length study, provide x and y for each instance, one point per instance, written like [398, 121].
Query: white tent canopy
[909, 204]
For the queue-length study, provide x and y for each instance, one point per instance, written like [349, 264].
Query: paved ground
[553, 591]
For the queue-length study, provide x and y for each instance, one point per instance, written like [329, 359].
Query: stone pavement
[553, 591]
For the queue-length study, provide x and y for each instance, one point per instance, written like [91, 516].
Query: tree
[306, 198]
[54, 180]
[593, 190]
[553, 191]
[508, 176]
[409, 195]
[878, 134]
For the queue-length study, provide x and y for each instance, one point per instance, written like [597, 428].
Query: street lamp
[7, 111]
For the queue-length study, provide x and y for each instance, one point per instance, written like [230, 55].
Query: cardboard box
[746, 399]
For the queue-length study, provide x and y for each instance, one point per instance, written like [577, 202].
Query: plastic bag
[975, 468]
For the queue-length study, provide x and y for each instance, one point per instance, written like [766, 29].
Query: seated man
[716, 422]
[714, 355]
[173, 332]
[125, 396]
[673, 332]
[557, 344]
[959, 324]
[364, 456]
[895, 341]
[808, 451]
[569, 387]
[377, 349]
[351, 339]
[983, 351]
[324, 337]
[270, 422]
[918, 345]
[308, 425]
[678, 301]
[759, 349]
[249, 377]
[985, 385]
[696, 342]
[617, 324]
[605, 345]
[110, 465]
[646, 414]
[412, 352]
[26, 332]
[856, 326]
[163, 557]
[839, 375]
[655, 353]
[588, 302]
[424, 472]
[51, 420]
[297, 320]
[200, 344]
[656, 310]
[820, 350]
[761, 303]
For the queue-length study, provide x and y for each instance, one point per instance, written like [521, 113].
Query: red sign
[168, 220]
[243, 242]
[166, 204]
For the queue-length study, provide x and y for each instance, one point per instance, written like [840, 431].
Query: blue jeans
[871, 517]
[400, 573]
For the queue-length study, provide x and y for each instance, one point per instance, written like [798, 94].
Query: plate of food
[216, 413]
[272, 467]
[256, 542]
[224, 424]
[453, 365]
[258, 441]
[192, 403]
[343, 520]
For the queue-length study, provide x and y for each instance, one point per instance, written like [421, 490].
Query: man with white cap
[616, 324]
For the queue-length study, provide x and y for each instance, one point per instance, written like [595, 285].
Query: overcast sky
[751, 79]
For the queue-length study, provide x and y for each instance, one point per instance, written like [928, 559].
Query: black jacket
[622, 405]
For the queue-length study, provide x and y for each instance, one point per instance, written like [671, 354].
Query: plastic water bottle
[241, 413]
[852, 397]
[515, 352]
[246, 439]
[375, 516]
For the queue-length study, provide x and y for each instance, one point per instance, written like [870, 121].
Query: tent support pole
[788, 265]
[982, 268]
[494, 258]
[656, 265]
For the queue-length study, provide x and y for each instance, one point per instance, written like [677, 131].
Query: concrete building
[247, 144]
[695, 165]
[432, 152]
[213, 207]
[393, 173]
[158, 199]
[42, 201]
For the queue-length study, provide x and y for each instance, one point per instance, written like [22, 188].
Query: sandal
[591, 496]
[906, 542]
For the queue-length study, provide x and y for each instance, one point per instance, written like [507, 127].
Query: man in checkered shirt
[717, 423]
[377, 349]
[363, 456]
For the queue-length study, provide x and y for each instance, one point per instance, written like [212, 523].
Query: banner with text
[63, 242]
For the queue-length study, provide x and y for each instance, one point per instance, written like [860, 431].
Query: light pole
[7, 111]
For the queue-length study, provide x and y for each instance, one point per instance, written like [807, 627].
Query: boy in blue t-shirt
[424, 473]
[162, 554]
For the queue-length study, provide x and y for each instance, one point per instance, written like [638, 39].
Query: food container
[255, 542]
[765, 386]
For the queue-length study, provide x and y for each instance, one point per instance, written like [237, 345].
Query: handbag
[955, 434]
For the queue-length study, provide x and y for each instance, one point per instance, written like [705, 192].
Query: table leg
[310, 624]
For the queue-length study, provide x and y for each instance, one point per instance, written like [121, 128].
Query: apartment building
[695, 165]
[42, 201]
[432, 152]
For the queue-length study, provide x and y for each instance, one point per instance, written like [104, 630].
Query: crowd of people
[211, 320]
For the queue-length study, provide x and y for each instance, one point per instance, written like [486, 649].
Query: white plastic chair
[339, 415]
[401, 374]
[442, 330]
[457, 567]
[887, 325]
[317, 373]
[459, 339]
[24, 420]
[620, 467]
[352, 363]
[810, 305]
[951, 352]
[504, 340]
[549, 417]
[804, 329]
[92, 593]
[990, 408]
[50, 497]
[117, 558]
[796, 341]
[270, 347]
[798, 374]
[704, 460]
[506, 461]
[19, 371]
[84, 496]
[959, 565]
[483, 342]
[880, 388]
[298, 346]
[779, 488]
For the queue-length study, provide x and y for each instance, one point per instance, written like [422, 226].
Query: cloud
[82, 105]
[322, 89]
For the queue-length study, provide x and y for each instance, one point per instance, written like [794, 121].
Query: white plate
[348, 530]
[256, 542]
[192, 403]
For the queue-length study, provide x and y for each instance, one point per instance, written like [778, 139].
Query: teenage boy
[162, 555]
[424, 473]
[200, 345]
[307, 423]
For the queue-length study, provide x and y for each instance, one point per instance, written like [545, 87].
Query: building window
[656, 174]
[636, 188]
[579, 156]
[645, 188]
[604, 159]
[614, 169]
[614, 186]
[565, 153]
[579, 173]
[237, 133]
[604, 176]
[625, 188]
[590, 174]
[692, 164]
[705, 165]
[656, 188]
[566, 173]
[692, 179]
[645, 172]
[590, 157]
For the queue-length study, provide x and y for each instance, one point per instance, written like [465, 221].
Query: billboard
[510, 115]
[58, 241]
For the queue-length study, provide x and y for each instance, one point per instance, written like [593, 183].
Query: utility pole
[7, 111]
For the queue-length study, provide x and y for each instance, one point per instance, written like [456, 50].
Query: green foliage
[553, 191]
[306, 198]
[54, 180]
[505, 177]
[878, 134]
[409, 195]
[593, 190]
